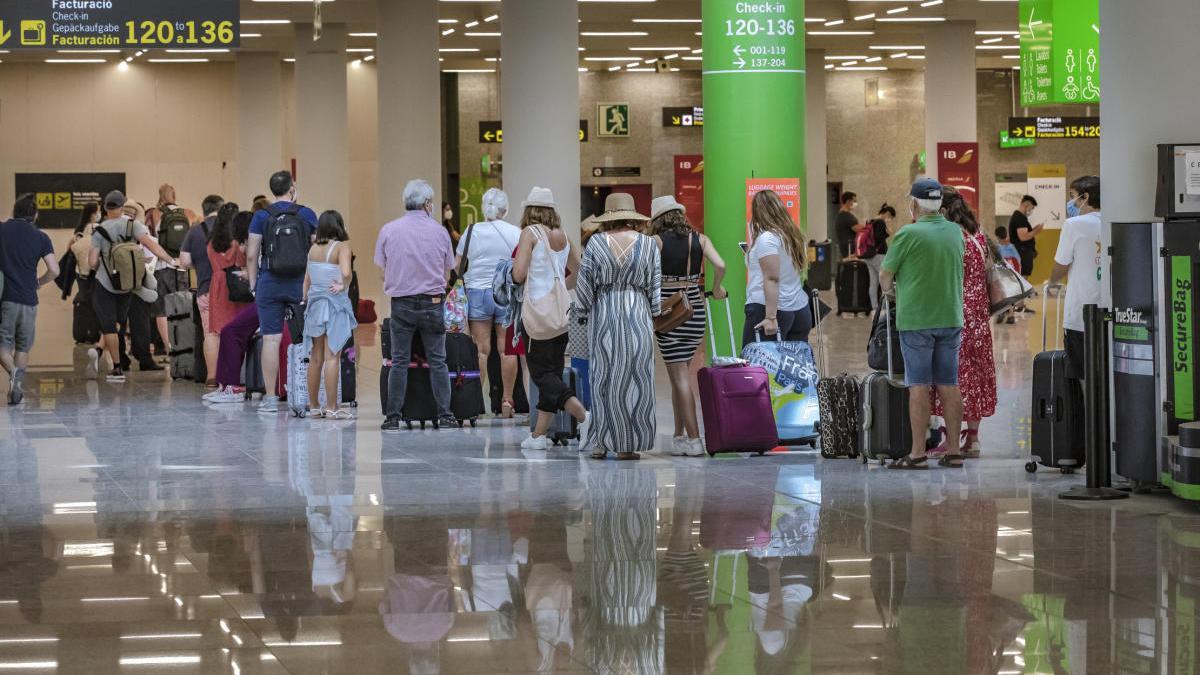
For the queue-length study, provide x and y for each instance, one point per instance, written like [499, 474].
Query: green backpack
[172, 228]
[125, 262]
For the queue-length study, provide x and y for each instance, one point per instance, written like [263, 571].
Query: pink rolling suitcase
[735, 400]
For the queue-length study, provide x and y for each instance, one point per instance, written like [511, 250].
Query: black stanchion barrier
[1095, 407]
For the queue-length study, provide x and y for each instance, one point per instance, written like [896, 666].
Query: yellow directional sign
[33, 33]
[4, 34]
[45, 201]
[62, 201]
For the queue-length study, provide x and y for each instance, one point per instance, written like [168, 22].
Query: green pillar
[753, 120]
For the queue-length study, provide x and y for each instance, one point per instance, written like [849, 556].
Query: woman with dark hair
[881, 229]
[448, 223]
[775, 297]
[227, 255]
[976, 365]
[619, 290]
[683, 252]
[328, 317]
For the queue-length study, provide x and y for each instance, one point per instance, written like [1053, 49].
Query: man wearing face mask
[1078, 261]
[282, 233]
[1024, 233]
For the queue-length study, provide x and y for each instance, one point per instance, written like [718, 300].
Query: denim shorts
[931, 356]
[481, 306]
[17, 323]
[272, 296]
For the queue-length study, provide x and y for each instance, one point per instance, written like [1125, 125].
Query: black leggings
[793, 326]
[545, 359]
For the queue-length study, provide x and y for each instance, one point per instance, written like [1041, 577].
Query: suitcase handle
[887, 314]
[712, 336]
[758, 336]
[1058, 314]
[814, 304]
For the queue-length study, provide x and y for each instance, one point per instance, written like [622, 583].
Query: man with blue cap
[923, 269]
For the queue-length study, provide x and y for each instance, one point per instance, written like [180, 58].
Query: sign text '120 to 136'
[184, 32]
[756, 27]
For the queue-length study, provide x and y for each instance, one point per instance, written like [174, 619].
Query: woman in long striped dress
[683, 252]
[619, 290]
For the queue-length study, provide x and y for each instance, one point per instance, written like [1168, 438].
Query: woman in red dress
[976, 365]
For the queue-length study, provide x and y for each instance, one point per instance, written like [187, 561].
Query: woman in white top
[775, 299]
[479, 251]
[544, 255]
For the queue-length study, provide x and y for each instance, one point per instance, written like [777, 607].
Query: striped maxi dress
[620, 297]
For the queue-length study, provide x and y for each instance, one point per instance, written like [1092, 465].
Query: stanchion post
[1095, 407]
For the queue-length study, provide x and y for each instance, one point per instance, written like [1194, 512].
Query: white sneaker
[269, 404]
[537, 443]
[585, 427]
[225, 395]
[679, 446]
[92, 370]
[695, 447]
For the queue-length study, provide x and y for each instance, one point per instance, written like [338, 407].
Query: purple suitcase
[735, 401]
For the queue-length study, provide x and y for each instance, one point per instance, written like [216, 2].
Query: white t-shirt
[791, 289]
[1079, 247]
[491, 242]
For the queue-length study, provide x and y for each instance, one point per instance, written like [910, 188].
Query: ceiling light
[471, 24]
[693, 58]
[992, 41]
[470, 34]
[847, 57]
[698, 50]
[900, 55]
[897, 10]
[491, 18]
[462, 50]
[913, 19]
[835, 22]
[895, 47]
[582, 69]
[291, 60]
[250, 34]
[447, 20]
[357, 63]
[658, 49]
[177, 60]
[828, 66]
[1010, 56]
[638, 70]
[369, 58]
[448, 31]
[864, 17]
[873, 59]
[123, 66]
[372, 34]
[820, 33]
[76, 60]
[666, 20]
[359, 50]
[668, 57]
[861, 68]
[998, 32]
[931, 3]
[615, 33]
[470, 70]
[916, 57]
[612, 58]
[983, 47]
[613, 68]
[814, 19]
[264, 22]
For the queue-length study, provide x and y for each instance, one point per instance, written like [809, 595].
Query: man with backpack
[120, 266]
[194, 255]
[280, 236]
[22, 247]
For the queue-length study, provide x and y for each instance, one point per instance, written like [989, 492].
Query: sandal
[339, 414]
[599, 454]
[908, 463]
[627, 456]
[508, 409]
[951, 461]
[316, 414]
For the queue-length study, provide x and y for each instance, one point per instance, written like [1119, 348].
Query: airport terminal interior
[144, 529]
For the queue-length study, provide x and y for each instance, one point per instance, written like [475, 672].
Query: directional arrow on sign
[740, 63]
[4, 34]
[738, 51]
[676, 120]
[488, 136]
[1017, 132]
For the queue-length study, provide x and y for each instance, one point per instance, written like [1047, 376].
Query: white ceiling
[620, 15]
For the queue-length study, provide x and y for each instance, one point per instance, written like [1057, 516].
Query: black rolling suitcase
[1056, 422]
[564, 428]
[853, 287]
[252, 377]
[466, 387]
[885, 429]
[820, 266]
[496, 383]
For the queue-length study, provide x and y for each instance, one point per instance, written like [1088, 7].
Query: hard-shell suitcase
[1056, 422]
[735, 401]
[564, 428]
[820, 267]
[837, 398]
[298, 361]
[793, 372]
[252, 377]
[885, 430]
[182, 332]
[85, 326]
[853, 287]
[466, 396]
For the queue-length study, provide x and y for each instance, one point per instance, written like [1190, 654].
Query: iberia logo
[966, 158]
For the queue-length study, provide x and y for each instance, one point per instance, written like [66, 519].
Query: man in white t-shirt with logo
[1078, 260]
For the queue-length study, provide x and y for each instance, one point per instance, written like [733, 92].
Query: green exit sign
[1008, 142]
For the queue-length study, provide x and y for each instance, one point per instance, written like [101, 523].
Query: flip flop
[907, 463]
[627, 456]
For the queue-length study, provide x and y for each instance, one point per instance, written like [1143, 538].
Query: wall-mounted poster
[61, 196]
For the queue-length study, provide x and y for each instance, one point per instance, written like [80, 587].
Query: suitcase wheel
[474, 422]
[863, 457]
[462, 423]
[1066, 469]
[760, 453]
[1031, 467]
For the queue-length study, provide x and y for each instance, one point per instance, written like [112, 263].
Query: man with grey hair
[923, 269]
[416, 257]
[479, 251]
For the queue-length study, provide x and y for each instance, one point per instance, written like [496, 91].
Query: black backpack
[285, 242]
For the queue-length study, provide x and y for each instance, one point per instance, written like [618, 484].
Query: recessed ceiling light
[177, 60]
[864, 17]
[447, 20]
[264, 22]
[359, 50]
[250, 35]
[465, 50]
[371, 34]
[861, 68]
[895, 47]
[992, 41]
[658, 49]
[76, 61]
[489, 19]
[847, 57]
[474, 34]
[666, 20]
[448, 31]
[931, 3]
[912, 19]
[469, 70]
[897, 10]
[834, 22]
[612, 58]
[614, 33]
[827, 33]
[997, 47]
[471, 24]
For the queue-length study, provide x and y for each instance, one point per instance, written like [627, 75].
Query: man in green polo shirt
[924, 270]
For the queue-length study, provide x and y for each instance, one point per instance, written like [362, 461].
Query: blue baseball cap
[926, 188]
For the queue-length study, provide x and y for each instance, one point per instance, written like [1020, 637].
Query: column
[816, 151]
[259, 123]
[950, 104]
[754, 121]
[410, 123]
[322, 127]
[539, 88]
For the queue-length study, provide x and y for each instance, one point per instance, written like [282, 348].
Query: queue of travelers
[255, 269]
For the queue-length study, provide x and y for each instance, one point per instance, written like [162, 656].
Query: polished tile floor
[143, 532]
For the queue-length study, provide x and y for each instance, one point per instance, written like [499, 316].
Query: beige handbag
[545, 318]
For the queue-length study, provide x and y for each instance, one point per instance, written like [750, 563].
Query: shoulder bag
[545, 318]
[677, 309]
[1005, 286]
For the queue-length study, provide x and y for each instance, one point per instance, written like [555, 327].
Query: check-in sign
[119, 24]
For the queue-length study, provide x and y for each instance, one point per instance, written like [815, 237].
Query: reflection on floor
[143, 532]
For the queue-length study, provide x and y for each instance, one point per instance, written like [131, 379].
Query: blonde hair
[767, 214]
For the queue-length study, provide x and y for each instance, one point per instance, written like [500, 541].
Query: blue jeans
[931, 356]
[410, 315]
[481, 306]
